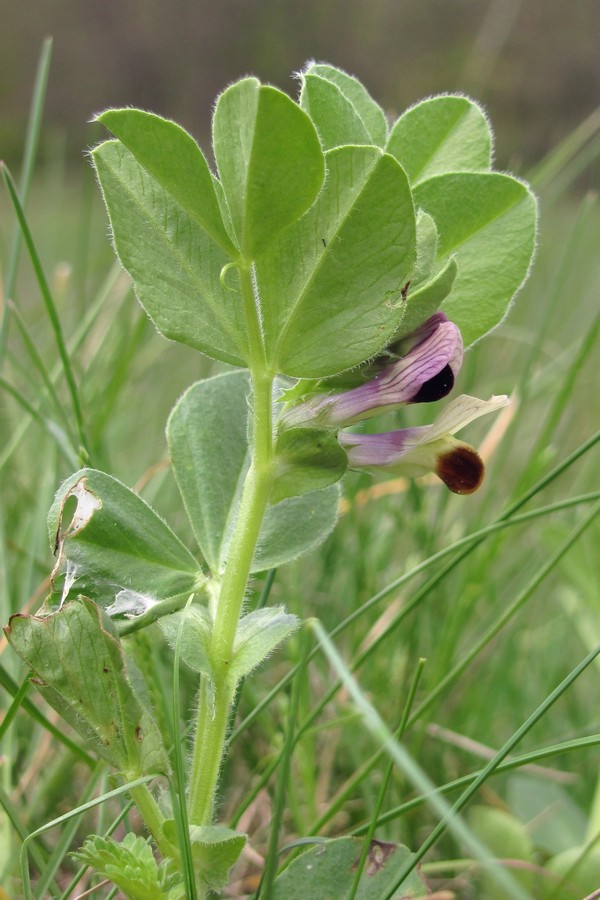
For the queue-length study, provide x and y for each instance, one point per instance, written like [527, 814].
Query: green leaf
[442, 134]
[175, 264]
[269, 158]
[207, 436]
[487, 221]
[327, 871]
[216, 849]
[368, 111]
[307, 459]
[330, 287]
[195, 636]
[258, 634]
[80, 670]
[507, 838]
[295, 526]
[114, 539]
[206, 433]
[530, 798]
[335, 118]
[427, 299]
[129, 864]
[576, 870]
[175, 160]
[427, 240]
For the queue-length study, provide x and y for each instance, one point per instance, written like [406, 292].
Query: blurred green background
[534, 63]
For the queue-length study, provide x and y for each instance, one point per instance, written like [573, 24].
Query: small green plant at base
[339, 266]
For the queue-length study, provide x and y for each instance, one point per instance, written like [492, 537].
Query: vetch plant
[338, 266]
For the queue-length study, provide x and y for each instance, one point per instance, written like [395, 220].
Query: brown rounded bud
[461, 469]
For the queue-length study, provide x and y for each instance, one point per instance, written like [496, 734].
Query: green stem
[153, 819]
[217, 695]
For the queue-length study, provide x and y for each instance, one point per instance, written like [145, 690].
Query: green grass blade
[14, 707]
[539, 352]
[398, 734]
[558, 288]
[5, 609]
[33, 712]
[285, 760]
[467, 542]
[412, 771]
[29, 155]
[557, 890]
[257, 786]
[60, 820]
[74, 345]
[38, 854]
[507, 615]
[576, 167]
[38, 364]
[463, 544]
[51, 311]
[561, 157]
[517, 762]
[560, 401]
[514, 762]
[47, 874]
[502, 754]
[83, 869]
[55, 433]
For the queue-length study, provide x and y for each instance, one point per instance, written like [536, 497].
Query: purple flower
[426, 371]
[428, 448]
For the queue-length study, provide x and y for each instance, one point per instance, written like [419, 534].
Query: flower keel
[430, 448]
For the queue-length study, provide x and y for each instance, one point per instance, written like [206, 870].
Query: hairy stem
[217, 695]
[153, 819]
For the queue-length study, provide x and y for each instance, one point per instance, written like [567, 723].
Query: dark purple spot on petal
[436, 388]
[461, 469]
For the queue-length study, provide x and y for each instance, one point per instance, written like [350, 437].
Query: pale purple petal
[402, 381]
[424, 374]
[385, 449]
[463, 410]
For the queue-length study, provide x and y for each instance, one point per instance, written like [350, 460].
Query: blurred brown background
[535, 64]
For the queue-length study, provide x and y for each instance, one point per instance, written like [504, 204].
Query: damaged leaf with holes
[328, 870]
[80, 670]
[115, 541]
